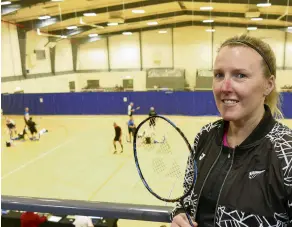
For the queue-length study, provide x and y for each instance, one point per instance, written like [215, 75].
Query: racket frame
[179, 199]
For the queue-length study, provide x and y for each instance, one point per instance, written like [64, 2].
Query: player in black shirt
[152, 113]
[118, 137]
[32, 128]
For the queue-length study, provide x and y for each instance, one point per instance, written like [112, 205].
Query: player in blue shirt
[131, 128]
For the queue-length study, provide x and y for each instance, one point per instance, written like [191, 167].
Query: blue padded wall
[176, 103]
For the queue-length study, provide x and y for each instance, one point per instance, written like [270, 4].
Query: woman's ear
[270, 85]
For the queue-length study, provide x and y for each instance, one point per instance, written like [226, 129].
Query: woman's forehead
[238, 57]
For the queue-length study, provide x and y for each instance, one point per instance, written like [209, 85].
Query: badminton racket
[161, 156]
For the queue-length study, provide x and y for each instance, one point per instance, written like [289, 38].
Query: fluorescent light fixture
[93, 39]
[252, 28]
[57, 0]
[152, 23]
[206, 8]
[256, 18]
[267, 4]
[127, 33]
[112, 24]
[289, 28]
[5, 3]
[162, 31]
[44, 17]
[210, 30]
[138, 11]
[89, 14]
[63, 37]
[72, 27]
[208, 21]
[93, 35]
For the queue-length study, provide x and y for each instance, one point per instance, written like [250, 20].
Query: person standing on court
[26, 115]
[11, 126]
[33, 130]
[118, 137]
[244, 160]
[131, 128]
[130, 109]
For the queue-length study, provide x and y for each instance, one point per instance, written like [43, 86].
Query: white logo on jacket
[253, 174]
[202, 156]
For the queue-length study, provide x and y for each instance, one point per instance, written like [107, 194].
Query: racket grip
[190, 219]
[187, 214]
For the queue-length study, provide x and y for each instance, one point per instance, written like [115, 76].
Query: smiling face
[239, 85]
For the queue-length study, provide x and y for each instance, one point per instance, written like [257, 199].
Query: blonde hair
[273, 100]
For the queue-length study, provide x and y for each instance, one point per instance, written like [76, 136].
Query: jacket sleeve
[284, 149]
[188, 180]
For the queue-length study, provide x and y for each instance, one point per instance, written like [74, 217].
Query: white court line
[35, 159]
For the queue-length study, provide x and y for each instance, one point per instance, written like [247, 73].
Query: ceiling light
[289, 28]
[267, 4]
[44, 17]
[205, 8]
[93, 35]
[153, 23]
[256, 18]
[162, 31]
[138, 11]
[210, 30]
[127, 33]
[252, 28]
[72, 27]
[112, 24]
[94, 39]
[63, 37]
[57, 0]
[208, 21]
[89, 14]
[5, 3]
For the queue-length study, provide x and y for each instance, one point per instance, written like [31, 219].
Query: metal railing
[88, 208]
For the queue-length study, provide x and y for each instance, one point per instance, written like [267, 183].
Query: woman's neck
[238, 131]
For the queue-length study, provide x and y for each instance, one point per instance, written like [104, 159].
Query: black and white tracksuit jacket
[253, 183]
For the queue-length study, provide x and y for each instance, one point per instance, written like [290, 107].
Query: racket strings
[175, 171]
[162, 154]
[158, 165]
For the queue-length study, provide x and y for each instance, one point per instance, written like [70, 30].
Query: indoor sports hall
[74, 68]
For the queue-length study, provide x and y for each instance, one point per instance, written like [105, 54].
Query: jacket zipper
[206, 180]
[217, 203]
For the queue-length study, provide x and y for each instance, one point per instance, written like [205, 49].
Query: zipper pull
[229, 155]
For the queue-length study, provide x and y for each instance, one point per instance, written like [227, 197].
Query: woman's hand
[181, 220]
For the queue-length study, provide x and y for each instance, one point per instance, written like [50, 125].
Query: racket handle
[188, 216]
[190, 220]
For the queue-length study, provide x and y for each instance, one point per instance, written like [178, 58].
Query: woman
[244, 160]
[11, 126]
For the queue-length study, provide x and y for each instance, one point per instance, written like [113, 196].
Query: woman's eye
[218, 75]
[240, 75]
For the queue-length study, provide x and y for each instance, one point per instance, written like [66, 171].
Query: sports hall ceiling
[162, 14]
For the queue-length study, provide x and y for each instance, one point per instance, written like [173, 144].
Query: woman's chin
[230, 117]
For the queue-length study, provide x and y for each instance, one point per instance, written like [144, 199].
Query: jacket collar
[261, 130]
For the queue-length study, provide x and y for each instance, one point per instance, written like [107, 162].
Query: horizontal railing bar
[88, 208]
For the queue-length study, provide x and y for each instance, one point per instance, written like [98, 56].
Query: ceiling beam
[34, 24]
[160, 16]
[14, 6]
[175, 25]
[254, 2]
